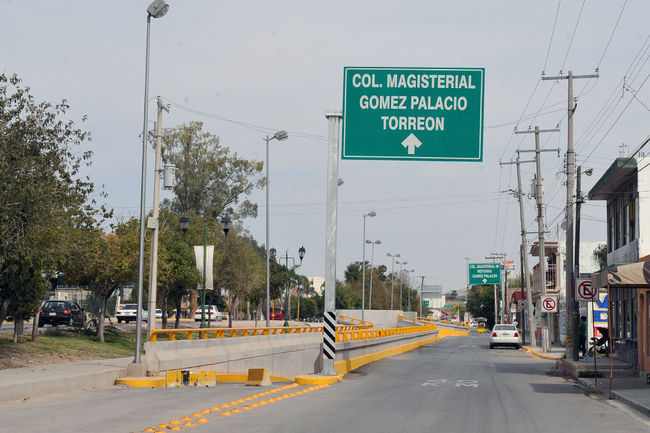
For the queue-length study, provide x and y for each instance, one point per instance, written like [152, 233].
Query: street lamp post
[392, 277]
[185, 224]
[372, 259]
[408, 280]
[372, 213]
[301, 255]
[157, 9]
[401, 284]
[280, 135]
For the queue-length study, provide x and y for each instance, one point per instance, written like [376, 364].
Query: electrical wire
[611, 35]
[575, 28]
[550, 42]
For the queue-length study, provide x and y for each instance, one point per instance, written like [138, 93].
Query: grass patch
[58, 345]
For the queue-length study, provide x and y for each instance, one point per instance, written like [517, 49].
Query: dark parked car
[59, 312]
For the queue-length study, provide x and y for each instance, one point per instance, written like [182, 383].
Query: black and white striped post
[329, 334]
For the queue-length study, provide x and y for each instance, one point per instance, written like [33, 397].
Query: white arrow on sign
[411, 142]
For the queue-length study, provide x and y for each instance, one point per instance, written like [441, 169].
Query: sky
[249, 68]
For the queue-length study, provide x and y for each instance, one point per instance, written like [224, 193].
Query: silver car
[505, 335]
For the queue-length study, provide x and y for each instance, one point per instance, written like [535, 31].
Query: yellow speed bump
[317, 379]
[142, 382]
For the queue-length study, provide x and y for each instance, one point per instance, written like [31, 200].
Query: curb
[633, 404]
[539, 355]
[317, 379]
[142, 382]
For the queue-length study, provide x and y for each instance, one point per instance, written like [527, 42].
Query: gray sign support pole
[329, 333]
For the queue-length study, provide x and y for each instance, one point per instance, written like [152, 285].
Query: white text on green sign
[484, 273]
[413, 114]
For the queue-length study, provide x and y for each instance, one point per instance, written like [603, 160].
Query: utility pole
[524, 258]
[421, 288]
[572, 319]
[546, 344]
[153, 224]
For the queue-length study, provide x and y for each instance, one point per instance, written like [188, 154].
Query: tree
[353, 272]
[239, 270]
[480, 303]
[41, 194]
[105, 262]
[209, 178]
[177, 271]
[600, 255]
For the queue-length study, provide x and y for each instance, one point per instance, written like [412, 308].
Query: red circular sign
[548, 304]
[585, 291]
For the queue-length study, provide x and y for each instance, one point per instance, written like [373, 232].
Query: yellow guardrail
[362, 323]
[364, 334]
[203, 333]
[446, 322]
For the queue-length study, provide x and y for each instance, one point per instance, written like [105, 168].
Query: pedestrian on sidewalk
[583, 336]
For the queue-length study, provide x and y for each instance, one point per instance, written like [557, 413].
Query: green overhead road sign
[484, 273]
[420, 114]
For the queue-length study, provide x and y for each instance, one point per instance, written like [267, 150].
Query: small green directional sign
[484, 273]
[420, 114]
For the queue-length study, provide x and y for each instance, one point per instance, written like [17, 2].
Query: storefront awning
[633, 275]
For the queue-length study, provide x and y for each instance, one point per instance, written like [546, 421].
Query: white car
[505, 335]
[128, 313]
[211, 312]
[158, 313]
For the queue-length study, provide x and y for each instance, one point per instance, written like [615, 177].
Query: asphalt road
[456, 385]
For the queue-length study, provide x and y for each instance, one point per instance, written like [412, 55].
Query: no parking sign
[585, 291]
[549, 304]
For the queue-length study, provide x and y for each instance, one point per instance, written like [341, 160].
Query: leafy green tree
[209, 178]
[239, 270]
[177, 271]
[41, 194]
[480, 303]
[600, 255]
[353, 272]
[347, 298]
[105, 262]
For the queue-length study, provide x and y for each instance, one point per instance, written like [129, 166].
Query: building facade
[625, 186]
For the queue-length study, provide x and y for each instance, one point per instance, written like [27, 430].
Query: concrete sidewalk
[28, 382]
[630, 390]
[626, 385]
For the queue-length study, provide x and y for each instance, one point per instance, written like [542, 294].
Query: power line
[575, 28]
[252, 126]
[611, 35]
[550, 42]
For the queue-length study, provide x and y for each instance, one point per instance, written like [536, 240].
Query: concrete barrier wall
[379, 318]
[351, 349]
[284, 355]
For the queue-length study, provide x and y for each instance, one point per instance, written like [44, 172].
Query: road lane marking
[200, 417]
[469, 383]
[434, 382]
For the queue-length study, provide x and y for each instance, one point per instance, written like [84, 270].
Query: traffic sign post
[420, 114]
[549, 304]
[484, 273]
[585, 291]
